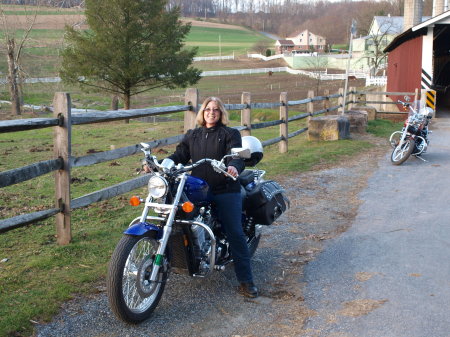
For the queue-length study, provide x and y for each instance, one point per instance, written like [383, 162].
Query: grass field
[215, 41]
[41, 52]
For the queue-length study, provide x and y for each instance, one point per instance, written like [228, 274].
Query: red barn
[420, 58]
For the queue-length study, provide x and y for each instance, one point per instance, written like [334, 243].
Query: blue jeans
[229, 209]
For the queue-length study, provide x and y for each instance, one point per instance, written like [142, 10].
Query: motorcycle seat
[246, 177]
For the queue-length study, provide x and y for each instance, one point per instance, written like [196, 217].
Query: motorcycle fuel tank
[196, 189]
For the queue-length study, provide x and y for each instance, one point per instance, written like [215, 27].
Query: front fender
[143, 228]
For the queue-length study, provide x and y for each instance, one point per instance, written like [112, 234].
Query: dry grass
[45, 21]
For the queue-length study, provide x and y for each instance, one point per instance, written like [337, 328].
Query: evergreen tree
[131, 46]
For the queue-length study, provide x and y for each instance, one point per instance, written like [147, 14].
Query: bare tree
[378, 39]
[317, 64]
[13, 55]
[261, 46]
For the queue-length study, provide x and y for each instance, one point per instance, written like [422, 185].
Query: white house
[304, 41]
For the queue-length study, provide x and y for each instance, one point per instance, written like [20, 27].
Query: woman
[213, 139]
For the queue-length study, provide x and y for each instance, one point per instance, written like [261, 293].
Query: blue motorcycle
[178, 230]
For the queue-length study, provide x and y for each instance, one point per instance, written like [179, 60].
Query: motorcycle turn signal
[187, 207]
[135, 200]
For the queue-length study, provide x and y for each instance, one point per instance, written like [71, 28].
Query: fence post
[246, 114]
[416, 94]
[190, 98]
[310, 106]
[362, 98]
[284, 116]
[62, 148]
[352, 97]
[341, 100]
[326, 101]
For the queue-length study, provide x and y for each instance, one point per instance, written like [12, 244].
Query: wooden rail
[362, 98]
[63, 121]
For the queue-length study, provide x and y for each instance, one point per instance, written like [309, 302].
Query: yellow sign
[430, 99]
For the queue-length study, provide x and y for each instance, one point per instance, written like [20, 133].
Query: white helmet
[256, 150]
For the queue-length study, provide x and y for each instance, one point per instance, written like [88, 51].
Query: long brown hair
[223, 112]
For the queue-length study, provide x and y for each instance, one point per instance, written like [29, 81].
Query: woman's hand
[146, 168]
[232, 171]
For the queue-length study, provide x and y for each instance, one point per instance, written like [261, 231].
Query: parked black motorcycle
[413, 139]
[179, 231]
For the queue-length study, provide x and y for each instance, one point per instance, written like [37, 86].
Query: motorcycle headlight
[157, 187]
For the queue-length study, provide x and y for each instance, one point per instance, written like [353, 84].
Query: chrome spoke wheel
[132, 296]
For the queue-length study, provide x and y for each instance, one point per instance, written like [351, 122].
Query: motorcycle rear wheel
[130, 266]
[402, 152]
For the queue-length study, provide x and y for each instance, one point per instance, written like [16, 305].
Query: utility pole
[350, 48]
[220, 49]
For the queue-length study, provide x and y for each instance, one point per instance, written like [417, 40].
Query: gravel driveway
[324, 203]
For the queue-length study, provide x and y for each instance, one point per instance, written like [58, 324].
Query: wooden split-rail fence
[63, 120]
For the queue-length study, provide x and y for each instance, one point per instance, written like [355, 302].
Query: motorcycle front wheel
[131, 295]
[401, 152]
[394, 139]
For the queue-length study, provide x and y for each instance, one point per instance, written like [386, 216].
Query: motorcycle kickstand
[421, 158]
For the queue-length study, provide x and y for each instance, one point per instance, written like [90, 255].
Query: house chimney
[413, 13]
[438, 7]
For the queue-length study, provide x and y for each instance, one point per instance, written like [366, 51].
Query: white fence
[376, 80]
[322, 75]
[213, 58]
[265, 58]
[35, 80]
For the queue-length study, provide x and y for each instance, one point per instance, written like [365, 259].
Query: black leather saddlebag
[266, 202]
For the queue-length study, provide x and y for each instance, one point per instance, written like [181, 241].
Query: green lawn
[41, 52]
[211, 40]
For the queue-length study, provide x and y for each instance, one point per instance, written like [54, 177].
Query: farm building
[304, 41]
[369, 49]
[420, 56]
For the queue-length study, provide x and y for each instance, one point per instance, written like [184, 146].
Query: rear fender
[142, 228]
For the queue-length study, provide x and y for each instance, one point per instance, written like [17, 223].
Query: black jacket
[213, 143]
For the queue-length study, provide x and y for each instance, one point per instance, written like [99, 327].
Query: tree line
[134, 46]
[284, 18]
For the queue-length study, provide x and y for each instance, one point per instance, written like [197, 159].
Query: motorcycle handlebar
[405, 104]
[217, 166]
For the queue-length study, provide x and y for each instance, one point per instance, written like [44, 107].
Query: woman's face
[211, 114]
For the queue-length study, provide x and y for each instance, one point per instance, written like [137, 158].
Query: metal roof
[286, 42]
[391, 24]
[418, 30]
[441, 18]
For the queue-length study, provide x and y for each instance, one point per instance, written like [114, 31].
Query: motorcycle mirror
[241, 152]
[167, 164]
[145, 146]
[407, 98]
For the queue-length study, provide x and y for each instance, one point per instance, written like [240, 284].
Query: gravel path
[324, 203]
